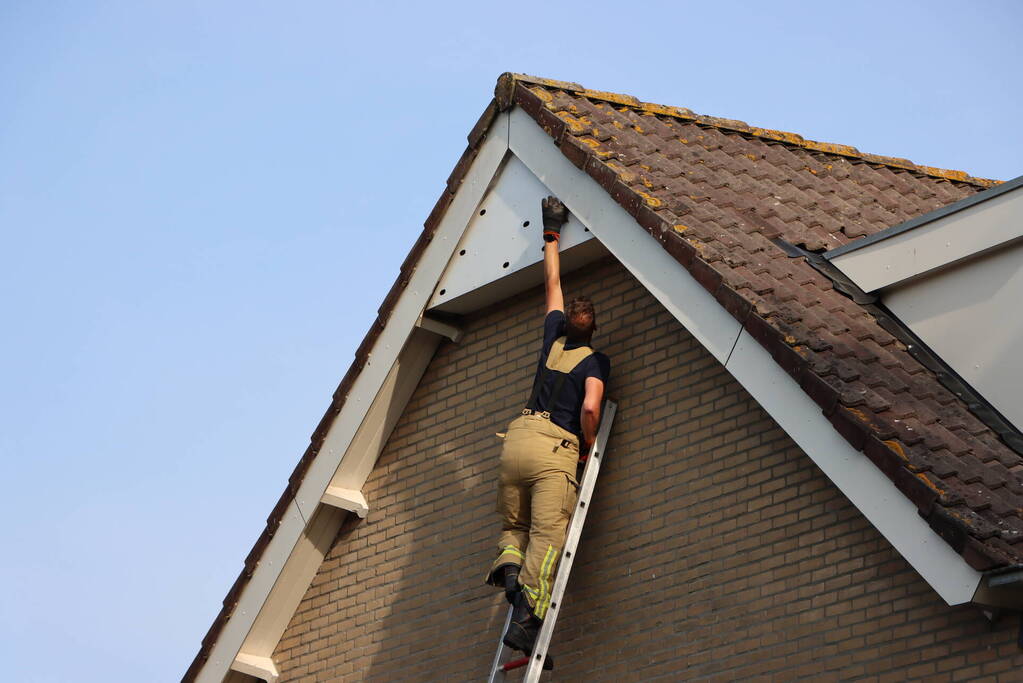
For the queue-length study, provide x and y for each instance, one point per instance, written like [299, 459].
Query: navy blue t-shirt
[570, 401]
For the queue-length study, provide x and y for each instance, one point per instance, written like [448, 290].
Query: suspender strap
[557, 362]
[537, 383]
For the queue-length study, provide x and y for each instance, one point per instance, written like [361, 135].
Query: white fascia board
[452, 332]
[292, 582]
[260, 667]
[386, 407]
[252, 597]
[346, 499]
[867, 488]
[935, 240]
[285, 545]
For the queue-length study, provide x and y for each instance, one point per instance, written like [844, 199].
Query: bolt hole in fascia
[526, 224]
[461, 253]
[505, 265]
[482, 211]
[442, 292]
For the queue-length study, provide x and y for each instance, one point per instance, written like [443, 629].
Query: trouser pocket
[570, 497]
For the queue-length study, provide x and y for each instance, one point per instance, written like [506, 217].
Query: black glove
[555, 215]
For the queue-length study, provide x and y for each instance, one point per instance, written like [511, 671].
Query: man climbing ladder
[537, 489]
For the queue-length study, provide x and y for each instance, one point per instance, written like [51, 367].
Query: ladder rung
[515, 664]
[548, 664]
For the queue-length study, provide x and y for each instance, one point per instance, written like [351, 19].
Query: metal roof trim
[954, 207]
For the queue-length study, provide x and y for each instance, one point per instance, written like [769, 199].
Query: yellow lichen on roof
[896, 448]
[628, 102]
[616, 98]
[831, 148]
[956, 175]
[596, 146]
[576, 124]
[781, 136]
[543, 94]
[650, 109]
[623, 173]
[922, 476]
[652, 202]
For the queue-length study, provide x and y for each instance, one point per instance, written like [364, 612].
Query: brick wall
[714, 547]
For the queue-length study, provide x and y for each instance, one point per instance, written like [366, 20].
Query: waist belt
[565, 443]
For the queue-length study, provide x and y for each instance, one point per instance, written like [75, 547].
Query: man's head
[581, 320]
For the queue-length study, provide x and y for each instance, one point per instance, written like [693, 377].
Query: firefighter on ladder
[539, 459]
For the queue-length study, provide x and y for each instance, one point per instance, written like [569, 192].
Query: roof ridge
[506, 86]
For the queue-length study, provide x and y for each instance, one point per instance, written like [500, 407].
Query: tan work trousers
[536, 496]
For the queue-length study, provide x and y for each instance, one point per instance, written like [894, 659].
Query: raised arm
[552, 277]
[589, 417]
[554, 216]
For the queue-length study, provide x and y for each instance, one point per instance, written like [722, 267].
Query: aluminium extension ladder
[504, 660]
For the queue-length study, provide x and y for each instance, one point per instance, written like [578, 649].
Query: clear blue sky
[202, 205]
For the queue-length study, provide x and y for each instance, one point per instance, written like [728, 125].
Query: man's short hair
[581, 321]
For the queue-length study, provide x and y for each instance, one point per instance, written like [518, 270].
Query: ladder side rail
[503, 652]
[575, 530]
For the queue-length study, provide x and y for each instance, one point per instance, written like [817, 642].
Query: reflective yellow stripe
[549, 576]
[544, 599]
[542, 596]
[512, 550]
[538, 593]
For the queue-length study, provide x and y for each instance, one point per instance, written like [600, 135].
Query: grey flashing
[952, 208]
[1005, 577]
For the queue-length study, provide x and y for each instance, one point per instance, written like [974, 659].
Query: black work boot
[511, 582]
[524, 627]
